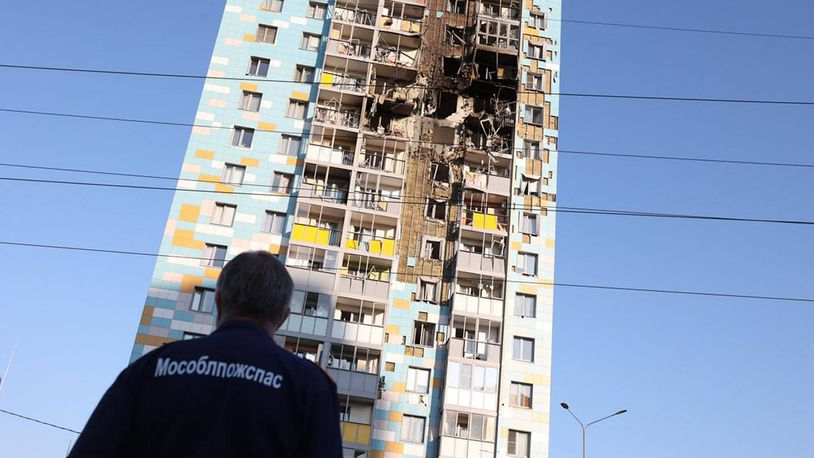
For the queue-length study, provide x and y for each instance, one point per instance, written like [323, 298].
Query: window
[350, 358]
[538, 21]
[266, 34]
[525, 305]
[535, 81]
[530, 186]
[275, 6]
[282, 182]
[467, 425]
[527, 263]
[224, 214]
[418, 380]
[214, 255]
[233, 174]
[296, 109]
[242, 137]
[534, 115]
[457, 6]
[309, 42]
[532, 150]
[203, 300]
[518, 444]
[520, 395]
[427, 291]
[274, 222]
[535, 51]
[259, 67]
[192, 335]
[290, 145]
[432, 250]
[304, 74]
[439, 173]
[250, 101]
[412, 429]
[310, 303]
[528, 224]
[316, 10]
[436, 209]
[424, 334]
[523, 349]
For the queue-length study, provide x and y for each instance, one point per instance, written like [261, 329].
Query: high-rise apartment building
[400, 157]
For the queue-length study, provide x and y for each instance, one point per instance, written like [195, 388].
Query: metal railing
[346, 118]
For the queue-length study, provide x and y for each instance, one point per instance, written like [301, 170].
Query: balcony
[484, 220]
[486, 263]
[355, 284]
[401, 17]
[351, 15]
[472, 349]
[319, 235]
[342, 82]
[478, 305]
[396, 56]
[381, 162]
[355, 49]
[325, 184]
[337, 155]
[337, 117]
[354, 433]
[506, 10]
[494, 181]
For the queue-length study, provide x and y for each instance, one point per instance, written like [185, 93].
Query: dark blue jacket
[234, 393]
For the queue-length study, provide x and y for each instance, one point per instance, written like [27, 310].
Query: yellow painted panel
[186, 239]
[399, 387]
[351, 244]
[528, 289]
[299, 233]
[267, 126]
[394, 447]
[209, 178]
[516, 246]
[293, 161]
[549, 243]
[392, 329]
[212, 274]
[491, 221]
[504, 432]
[375, 246]
[327, 78]
[388, 247]
[363, 435]
[540, 417]
[299, 95]
[324, 237]
[204, 154]
[155, 341]
[251, 87]
[401, 304]
[479, 220]
[276, 249]
[248, 37]
[189, 282]
[249, 161]
[146, 315]
[189, 213]
[224, 188]
[349, 431]
[395, 416]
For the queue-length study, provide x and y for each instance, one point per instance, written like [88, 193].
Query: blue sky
[702, 377]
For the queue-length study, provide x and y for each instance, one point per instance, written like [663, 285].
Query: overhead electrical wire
[35, 420]
[422, 201]
[564, 94]
[683, 29]
[417, 274]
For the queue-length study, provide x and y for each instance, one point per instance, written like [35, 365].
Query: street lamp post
[585, 426]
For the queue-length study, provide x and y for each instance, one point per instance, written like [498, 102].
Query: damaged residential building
[400, 156]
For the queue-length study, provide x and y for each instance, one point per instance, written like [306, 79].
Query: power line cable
[422, 201]
[564, 94]
[418, 274]
[39, 421]
[683, 29]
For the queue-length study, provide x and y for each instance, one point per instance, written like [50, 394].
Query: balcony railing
[481, 263]
[475, 349]
[345, 118]
[348, 48]
[479, 220]
[372, 201]
[493, 183]
[380, 162]
[487, 306]
[330, 192]
[340, 156]
[362, 286]
[398, 24]
[343, 82]
[395, 56]
[355, 433]
[353, 16]
[317, 235]
[382, 246]
[357, 332]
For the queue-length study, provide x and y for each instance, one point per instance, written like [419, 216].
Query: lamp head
[564, 405]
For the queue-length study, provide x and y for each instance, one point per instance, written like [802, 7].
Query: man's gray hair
[255, 284]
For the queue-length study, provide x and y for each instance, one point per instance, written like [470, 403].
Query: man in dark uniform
[234, 393]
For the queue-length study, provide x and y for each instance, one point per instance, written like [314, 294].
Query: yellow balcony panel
[388, 247]
[351, 244]
[376, 246]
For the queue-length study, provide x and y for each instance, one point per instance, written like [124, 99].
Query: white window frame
[297, 109]
[522, 267]
[316, 10]
[210, 256]
[286, 142]
[535, 51]
[250, 101]
[203, 300]
[514, 441]
[535, 82]
[538, 20]
[310, 42]
[518, 346]
[223, 214]
[302, 71]
[516, 392]
[525, 305]
[263, 32]
[412, 429]
[530, 223]
[533, 112]
[270, 222]
[419, 329]
[415, 375]
[282, 183]
[242, 137]
[233, 174]
[433, 204]
[275, 6]
[255, 64]
[427, 291]
[426, 252]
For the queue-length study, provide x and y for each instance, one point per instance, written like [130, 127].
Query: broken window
[530, 186]
[534, 115]
[452, 66]
[454, 36]
[427, 291]
[498, 34]
[436, 209]
[424, 333]
[535, 51]
[457, 6]
[532, 150]
[439, 173]
[535, 81]
[431, 250]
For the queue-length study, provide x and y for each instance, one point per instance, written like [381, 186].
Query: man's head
[255, 286]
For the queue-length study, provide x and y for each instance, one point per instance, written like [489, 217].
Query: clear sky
[702, 377]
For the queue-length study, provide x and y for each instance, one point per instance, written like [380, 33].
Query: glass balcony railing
[343, 82]
[396, 56]
[315, 234]
[349, 48]
[382, 246]
[353, 16]
[381, 162]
